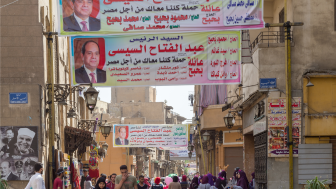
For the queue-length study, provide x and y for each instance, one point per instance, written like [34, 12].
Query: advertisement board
[157, 60]
[162, 135]
[181, 153]
[277, 123]
[104, 17]
[18, 152]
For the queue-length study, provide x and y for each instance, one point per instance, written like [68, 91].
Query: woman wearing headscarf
[210, 179]
[214, 180]
[252, 183]
[194, 183]
[221, 181]
[88, 183]
[156, 184]
[242, 179]
[175, 184]
[184, 183]
[205, 183]
[101, 183]
[200, 179]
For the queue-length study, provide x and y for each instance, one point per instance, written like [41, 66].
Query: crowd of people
[127, 181]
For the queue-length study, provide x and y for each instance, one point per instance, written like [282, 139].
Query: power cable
[9, 4]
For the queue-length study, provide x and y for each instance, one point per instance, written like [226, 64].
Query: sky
[176, 96]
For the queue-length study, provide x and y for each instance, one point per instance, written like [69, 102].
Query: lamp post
[105, 146]
[91, 97]
[105, 129]
[190, 148]
[229, 120]
[190, 154]
[206, 136]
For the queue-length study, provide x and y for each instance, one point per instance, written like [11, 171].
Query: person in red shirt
[111, 184]
[58, 183]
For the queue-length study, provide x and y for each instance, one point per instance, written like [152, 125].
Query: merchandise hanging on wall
[106, 17]
[150, 135]
[18, 152]
[156, 60]
[277, 123]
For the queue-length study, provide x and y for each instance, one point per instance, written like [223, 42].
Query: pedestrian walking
[83, 178]
[147, 183]
[125, 181]
[205, 183]
[141, 184]
[58, 183]
[221, 180]
[88, 183]
[175, 184]
[184, 184]
[252, 183]
[111, 184]
[194, 183]
[101, 183]
[210, 179]
[157, 184]
[36, 181]
[242, 179]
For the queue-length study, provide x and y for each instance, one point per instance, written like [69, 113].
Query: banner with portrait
[162, 135]
[206, 58]
[103, 17]
[18, 152]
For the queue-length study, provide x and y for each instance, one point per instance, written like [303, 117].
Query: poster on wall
[157, 60]
[181, 153]
[277, 123]
[104, 17]
[18, 152]
[150, 135]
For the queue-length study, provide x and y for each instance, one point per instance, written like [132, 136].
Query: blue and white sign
[18, 98]
[267, 83]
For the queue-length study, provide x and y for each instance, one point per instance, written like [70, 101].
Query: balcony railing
[270, 37]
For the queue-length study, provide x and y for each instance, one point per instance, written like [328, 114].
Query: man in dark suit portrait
[80, 20]
[122, 137]
[89, 73]
[5, 171]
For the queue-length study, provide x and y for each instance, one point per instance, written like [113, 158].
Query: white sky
[176, 96]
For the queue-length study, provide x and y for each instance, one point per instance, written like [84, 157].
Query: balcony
[270, 39]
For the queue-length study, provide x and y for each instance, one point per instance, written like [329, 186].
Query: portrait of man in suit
[89, 73]
[80, 20]
[6, 172]
[121, 140]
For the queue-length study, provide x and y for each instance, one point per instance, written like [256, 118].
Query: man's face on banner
[30, 169]
[24, 142]
[91, 56]
[4, 168]
[122, 133]
[9, 134]
[83, 8]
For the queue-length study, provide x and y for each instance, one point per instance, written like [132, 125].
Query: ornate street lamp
[190, 148]
[229, 120]
[146, 158]
[72, 113]
[105, 129]
[105, 146]
[190, 154]
[91, 97]
[206, 136]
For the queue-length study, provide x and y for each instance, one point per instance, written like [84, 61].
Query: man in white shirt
[89, 73]
[80, 20]
[36, 181]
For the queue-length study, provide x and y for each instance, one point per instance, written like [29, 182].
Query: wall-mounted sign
[181, 153]
[18, 98]
[277, 123]
[268, 83]
[259, 127]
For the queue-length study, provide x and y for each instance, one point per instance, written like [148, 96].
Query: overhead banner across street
[150, 135]
[157, 60]
[101, 17]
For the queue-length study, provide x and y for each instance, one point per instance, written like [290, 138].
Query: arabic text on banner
[277, 123]
[139, 16]
[158, 60]
[181, 153]
[150, 135]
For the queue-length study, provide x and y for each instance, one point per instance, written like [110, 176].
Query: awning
[76, 139]
[251, 99]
